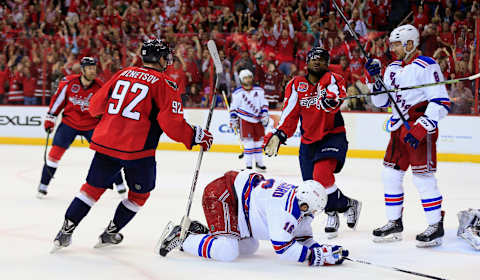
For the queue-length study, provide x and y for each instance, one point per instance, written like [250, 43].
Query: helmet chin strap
[407, 53]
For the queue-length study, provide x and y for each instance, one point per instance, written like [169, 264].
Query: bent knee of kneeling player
[225, 249]
[248, 246]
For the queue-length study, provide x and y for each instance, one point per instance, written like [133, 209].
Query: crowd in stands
[42, 41]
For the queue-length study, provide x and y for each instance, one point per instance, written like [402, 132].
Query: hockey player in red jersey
[73, 97]
[314, 99]
[137, 105]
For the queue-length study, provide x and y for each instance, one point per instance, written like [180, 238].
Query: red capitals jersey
[137, 105]
[74, 99]
[302, 102]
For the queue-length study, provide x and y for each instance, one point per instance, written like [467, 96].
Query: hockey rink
[28, 225]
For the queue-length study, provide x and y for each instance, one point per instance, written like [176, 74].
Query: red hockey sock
[323, 172]
[56, 153]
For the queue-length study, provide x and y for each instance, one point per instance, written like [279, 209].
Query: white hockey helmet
[403, 34]
[313, 194]
[244, 73]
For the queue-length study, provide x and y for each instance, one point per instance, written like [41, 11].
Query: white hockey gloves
[326, 255]
[272, 141]
[235, 123]
[265, 119]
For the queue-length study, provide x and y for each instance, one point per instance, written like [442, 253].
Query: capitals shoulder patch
[302, 87]
[172, 84]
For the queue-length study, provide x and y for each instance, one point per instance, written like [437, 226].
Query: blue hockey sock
[123, 216]
[77, 211]
[47, 174]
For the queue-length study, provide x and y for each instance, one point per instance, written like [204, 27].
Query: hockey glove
[329, 98]
[202, 137]
[420, 129]
[265, 119]
[235, 123]
[49, 123]
[373, 67]
[326, 255]
[272, 141]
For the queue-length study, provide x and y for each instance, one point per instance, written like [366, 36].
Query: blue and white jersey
[421, 70]
[249, 105]
[268, 210]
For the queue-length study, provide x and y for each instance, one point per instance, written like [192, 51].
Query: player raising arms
[314, 99]
[243, 208]
[136, 105]
[415, 147]
[73, 97]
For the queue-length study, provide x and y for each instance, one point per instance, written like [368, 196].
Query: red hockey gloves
[202, 137]
[272, 141]
[420, 129]
[49, 123]
[326, 255]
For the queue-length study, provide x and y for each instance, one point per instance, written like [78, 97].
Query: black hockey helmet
[153, 49]
[88, 61]
[318, 52]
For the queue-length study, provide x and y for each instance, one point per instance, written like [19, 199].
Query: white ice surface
[28, 225]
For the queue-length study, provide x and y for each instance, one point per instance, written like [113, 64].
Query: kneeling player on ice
[243, 208]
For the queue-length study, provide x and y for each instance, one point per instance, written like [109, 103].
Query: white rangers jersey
[269, 210]
[421, 70]
[249, 105]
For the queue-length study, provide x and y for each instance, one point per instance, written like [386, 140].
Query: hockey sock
[257, 151]
[430, 196]
[392, 184]
[77, 211]
[220, 248]
[54, 156]
[337, 202]
[47, 174]
[124, 214]
[248, 151]
[323, 173]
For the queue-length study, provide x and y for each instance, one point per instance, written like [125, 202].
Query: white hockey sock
[430, 196]
[249, 150]
[258, 152]
[219, 248]
[393, 188]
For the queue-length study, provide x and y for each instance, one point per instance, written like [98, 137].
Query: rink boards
[458, 140]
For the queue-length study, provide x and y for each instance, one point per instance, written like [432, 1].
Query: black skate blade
[158, 247]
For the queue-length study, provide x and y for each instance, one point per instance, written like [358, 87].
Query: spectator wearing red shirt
[15, 91]
[177, 73]
[446, 37]
[343, 70]
[356, 66]
[4, 74]
[29, 82]
[285, 44]
[420, 18]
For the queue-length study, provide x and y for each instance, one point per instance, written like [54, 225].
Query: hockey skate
[42, 191]
[472, 236]
[170, 238]
[109, 237]
[333, 222]
[260, 168]
[64, 236]
[432, 236]
[353, 213]
[390, 232]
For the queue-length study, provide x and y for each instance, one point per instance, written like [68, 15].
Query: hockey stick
[392, 101]
[234, 129]
[471, 78]
[45, 155]
[185, 224]
[396, 269]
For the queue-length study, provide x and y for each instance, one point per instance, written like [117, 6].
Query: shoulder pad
[99, 82]
[395, 63]
[236, 90]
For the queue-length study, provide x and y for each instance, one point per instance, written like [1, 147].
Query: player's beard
[319, 74]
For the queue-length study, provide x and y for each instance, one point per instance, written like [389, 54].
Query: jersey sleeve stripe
[303, 255]
[59, 101]
[291, 103]
[445, 102]
[281, 246]
[419, 64]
